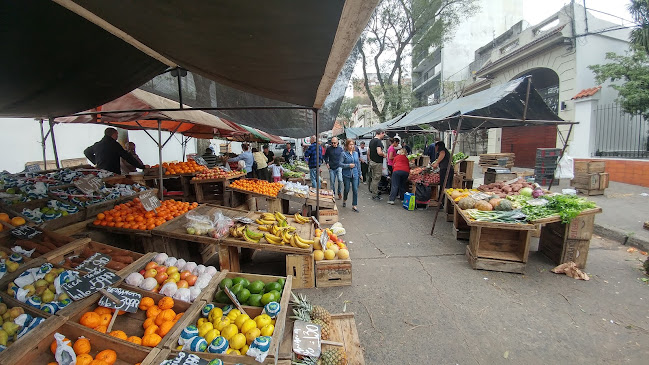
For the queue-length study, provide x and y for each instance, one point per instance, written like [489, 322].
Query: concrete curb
[621, 236]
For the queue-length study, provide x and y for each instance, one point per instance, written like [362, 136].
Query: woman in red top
[400, 172]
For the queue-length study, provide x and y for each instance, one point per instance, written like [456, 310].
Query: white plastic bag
[565, 168]
[64, 354]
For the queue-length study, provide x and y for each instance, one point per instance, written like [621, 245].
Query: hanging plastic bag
[64, 354]
[565, 168]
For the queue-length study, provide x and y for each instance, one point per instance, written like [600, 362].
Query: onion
[537, 193]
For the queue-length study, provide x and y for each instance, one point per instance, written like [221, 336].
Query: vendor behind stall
[106, 153]
[126, 167]
[246, 157]
[443, 161]
[209, 157]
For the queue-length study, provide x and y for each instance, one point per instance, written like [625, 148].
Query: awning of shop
[360, 132]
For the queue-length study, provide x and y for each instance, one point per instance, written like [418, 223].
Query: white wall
[20, 142]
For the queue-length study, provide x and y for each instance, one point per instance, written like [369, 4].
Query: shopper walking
[332, 158]
[363, 157]
[400, 173]
[351, 170]
[314, 159]
[376, 155]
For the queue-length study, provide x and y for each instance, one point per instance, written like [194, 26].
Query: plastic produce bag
[222, 224]
[565, 168]
[198, 224]
[64, 354]
[338, 229]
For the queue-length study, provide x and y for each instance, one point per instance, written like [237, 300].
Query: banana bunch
[237, 231]
[301, 219]
[270, 218]
[299, 242]
[251, 236]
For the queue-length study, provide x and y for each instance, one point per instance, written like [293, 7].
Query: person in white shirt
[277, 169]
[363, 157]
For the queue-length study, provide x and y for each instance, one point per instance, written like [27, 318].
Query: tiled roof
[586, 93]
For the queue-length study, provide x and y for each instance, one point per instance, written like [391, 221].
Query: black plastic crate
[544, 170]
[547, 152]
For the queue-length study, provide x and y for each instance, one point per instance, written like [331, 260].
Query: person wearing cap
[362, 151]
[209, 157]
[106, 153]
[376, 154]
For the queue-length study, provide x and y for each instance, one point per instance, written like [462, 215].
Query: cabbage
[526, 191]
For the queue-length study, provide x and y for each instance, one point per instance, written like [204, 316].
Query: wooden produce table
[235, 198]
[183, 179]
[53, 224]
[212, 190]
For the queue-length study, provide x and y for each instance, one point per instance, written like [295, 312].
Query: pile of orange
[160, 320]
[15, 221]
[258, 186]
[175, 168]
[82, 349]
[132, 215]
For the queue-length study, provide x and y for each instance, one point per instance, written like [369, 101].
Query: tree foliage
[347, 108]
[639, 10]
[395, 27]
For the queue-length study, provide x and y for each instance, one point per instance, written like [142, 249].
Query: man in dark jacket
[106, 153]
[314, 162]
[332, 157]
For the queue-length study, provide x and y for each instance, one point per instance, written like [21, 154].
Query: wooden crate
[499, 248]
[589, 167]
[465, 167]
[302, 269]
[461, 234]
[493, 177]
[603, 180]
[329, 273]
[38, 352]
[329, 216]
[586, 182]
[131, 323]
[591, 192]
[343, 329]
[16, 210]
[77, 248]
[193, 314]
[568, 242]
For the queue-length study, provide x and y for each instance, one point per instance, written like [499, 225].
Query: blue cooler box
[409, 201]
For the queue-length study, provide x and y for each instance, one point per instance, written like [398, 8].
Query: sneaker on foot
[391, 202]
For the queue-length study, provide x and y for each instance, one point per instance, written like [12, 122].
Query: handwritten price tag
[187, 359]
[306, 338]
[90, 283]
[149, 200]
[88, 184]
[25, 232]
[94, 262]
[130, 300]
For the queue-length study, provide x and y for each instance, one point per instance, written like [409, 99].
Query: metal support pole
[180, 90]
[56, 154]
[442, 188]
[43, 146]
[565, 145]
[527, 97]
[161, 185]
[317, 162]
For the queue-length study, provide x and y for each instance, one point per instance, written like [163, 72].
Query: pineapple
[315, 311]
[303, 315]
[327, 357]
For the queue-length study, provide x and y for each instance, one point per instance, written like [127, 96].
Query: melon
[504, 205]
[483, 205]
[466, 203]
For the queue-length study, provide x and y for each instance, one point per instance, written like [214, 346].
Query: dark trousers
[399, 184]
[364, 170]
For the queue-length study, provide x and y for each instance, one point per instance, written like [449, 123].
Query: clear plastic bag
[198, 224]
[222, 224]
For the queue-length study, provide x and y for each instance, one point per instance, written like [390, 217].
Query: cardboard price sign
[187, 359]
[25, 232]
[91, 283]
[88, 184]
[94, 262]
[129, 300]
[234, 300]
[306, 338]
[149, 200]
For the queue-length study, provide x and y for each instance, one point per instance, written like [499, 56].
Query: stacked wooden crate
[546, 163]
[463, 178]
[488, 160]
[590, 178]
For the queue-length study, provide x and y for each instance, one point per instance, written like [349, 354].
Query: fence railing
[620, 134]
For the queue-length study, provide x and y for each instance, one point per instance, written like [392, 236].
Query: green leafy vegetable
[565, 206]
[459, 156]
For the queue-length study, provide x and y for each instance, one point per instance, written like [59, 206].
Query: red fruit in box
[151, 265]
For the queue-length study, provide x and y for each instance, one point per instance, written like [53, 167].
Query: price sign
[25, 232]
[94, 262]
[33, 168]
[149, 200]
[88, 184]
[90, 283]
[306, 338]
[234, 300]
[130, 300]
[201, 161]
[186, 359]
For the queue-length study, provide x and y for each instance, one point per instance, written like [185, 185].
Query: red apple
[182, 284]
[161, 269]
[150, 273]
[151, 265]
[142, 272]
[161, 277]
[185, 274]
[191, 280]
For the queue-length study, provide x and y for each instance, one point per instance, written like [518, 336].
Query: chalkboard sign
[130, 300]
[199, 160]
[25, 232]
[90, 283]
[306, 338]
[187, 359]
[94, 262]
[88, 184]
[33, 168]
[149, 200]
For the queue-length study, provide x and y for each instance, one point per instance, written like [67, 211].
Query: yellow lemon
[343, 254]
[262, 320]
[225, 321]
[205, 328]
[248, 325]
[318, 255]
[267, 330]
[252, 334]
[229, 331]
[232, 351]
[238, 341]
[233, 314]
[215, 313]
[244, 350]
[200, 322]
[211, 335]
[241, 319]
[329, 254]
[272, 322]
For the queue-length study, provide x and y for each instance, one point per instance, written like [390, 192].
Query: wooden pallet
[343, 330]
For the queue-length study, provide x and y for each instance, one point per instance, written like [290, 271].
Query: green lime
[245, 282]
[254, 300]
[243, 295]
[281, 281]
[236, 288]
[267, 298]
[221, 297]
[225, 283]
[256, 287]
[276, 295]
[237, 280]
[11, 191]
[64, 213]
[273, 286]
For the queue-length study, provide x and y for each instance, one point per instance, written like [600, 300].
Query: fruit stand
[247, 191]
[210, 186]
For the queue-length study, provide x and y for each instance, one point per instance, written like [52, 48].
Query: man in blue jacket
[314, 158]
[332, 157]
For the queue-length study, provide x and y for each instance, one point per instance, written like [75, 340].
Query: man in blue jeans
[314, 158]
[333, 157]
